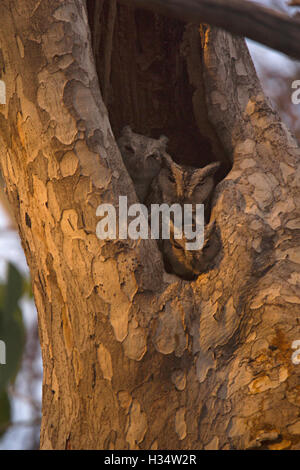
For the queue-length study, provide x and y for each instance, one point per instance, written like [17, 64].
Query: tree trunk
[135, 358]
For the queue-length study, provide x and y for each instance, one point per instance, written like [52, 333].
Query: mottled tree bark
[135, 358]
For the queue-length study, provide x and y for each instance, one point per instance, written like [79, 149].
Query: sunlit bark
[134, 358]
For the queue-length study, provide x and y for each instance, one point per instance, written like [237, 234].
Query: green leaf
[12, 330]
[13, 291]
[5, 412]
[27, 288]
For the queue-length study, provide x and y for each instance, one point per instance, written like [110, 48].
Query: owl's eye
[129, 149]
[176, 245]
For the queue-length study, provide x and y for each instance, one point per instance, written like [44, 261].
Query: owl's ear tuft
[212, 168]
[207, 171]
[127, 131]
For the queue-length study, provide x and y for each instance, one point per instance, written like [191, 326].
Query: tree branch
[240, 17]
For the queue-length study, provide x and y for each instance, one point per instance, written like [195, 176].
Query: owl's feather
[158, 179]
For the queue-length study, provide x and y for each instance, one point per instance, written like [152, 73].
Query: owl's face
[184, 184]
[142, 157]
[141, 152]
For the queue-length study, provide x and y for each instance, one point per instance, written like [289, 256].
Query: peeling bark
[134, 358]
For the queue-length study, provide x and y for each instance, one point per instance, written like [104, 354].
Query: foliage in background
[12, 332]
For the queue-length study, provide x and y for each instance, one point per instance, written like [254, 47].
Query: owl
[143, 159]
[185, 185]
[157, 180]
[182, 184]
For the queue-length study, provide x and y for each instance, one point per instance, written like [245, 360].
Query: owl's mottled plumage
[143, 158]
[182, 184]
[158, 179]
